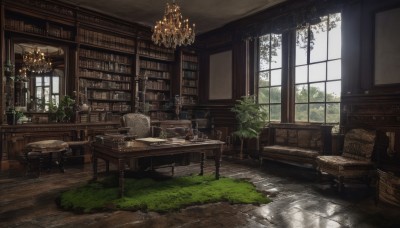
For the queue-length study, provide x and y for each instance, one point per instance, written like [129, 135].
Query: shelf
[100, 79]
[108, 100]
[156, 78]
[40, 36]
[106, 49]
[187, 69]
[156, 58]
[106, 71]
[163, 90]
[186, 94]
[109, 89]
[156, 100]
[189, 86]
[103, 60]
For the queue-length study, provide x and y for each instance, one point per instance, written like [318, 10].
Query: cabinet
[154, 87]
[190, 78]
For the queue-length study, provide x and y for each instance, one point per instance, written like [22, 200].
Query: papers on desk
[151, 141]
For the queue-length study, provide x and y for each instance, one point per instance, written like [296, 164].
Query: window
[270, 75]
[315, 80]
[47, 89]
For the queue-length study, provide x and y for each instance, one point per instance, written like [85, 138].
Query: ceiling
[206, 14]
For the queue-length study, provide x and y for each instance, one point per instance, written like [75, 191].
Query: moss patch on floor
[159, 196]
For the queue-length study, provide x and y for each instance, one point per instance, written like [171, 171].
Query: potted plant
[251, 119]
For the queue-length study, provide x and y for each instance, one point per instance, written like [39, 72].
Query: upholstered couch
[297, 143]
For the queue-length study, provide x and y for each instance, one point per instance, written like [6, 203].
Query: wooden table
[120, 156]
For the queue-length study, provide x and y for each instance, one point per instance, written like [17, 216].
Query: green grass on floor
[159, 195]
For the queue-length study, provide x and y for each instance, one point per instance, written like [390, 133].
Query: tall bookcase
[105, 72]
[155, 70]
[189, 78]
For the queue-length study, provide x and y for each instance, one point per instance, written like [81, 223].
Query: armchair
[356, 160]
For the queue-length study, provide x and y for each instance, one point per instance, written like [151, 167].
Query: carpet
[147, 194]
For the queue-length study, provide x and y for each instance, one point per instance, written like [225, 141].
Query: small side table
[389, 188]
[37, 151]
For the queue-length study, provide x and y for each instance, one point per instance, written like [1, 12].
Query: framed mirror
[40, 75]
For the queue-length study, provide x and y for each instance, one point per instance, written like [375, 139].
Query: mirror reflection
[40, 76]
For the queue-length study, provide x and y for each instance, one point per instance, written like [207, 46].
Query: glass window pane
[276, 77]
[264, 52]
[301, 93]
[317, 72]
[335, 69]
[265, 108]
[276, 94]
[335, 36]
[317, 92]
[46, 81]
[301, 74]
[317, 113]
[333, 113]
[56, 85]
[275, 113]
[263, 95]
[39, 92]
[301, 113]
[301, 46]
[38, 81]
[333, 91]
[276, 51]
[318, 41]
[263, 79]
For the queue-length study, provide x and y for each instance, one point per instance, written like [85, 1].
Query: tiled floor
[298, 201]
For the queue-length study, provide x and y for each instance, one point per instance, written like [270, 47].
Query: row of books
[189, 65]
[154, 65]
[188, 100]
[150, 46]
[60, 32]
[153, 96]
[106, 66]
[103, 76]
[85, 83]
[109, 95]
[155, 74]
[105, 56]
[157, 85]
[190, 75]
[189, 91]
[160, 115]
[117, 107]
[20, 25]
[105, 40]
[189, 83]
[191, 58]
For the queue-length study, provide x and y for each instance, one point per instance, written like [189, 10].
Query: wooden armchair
[356, 160]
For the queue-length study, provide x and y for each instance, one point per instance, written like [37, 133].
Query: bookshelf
[110, 42]
[189, 81]
[26, 25]
[155, 72]
[105, 80]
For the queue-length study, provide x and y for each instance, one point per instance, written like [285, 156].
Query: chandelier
[36, 62]
[172, 31]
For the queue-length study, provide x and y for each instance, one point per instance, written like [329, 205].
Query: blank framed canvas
[220, 86]
[387, 47]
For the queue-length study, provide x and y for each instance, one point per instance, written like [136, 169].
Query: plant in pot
[251, 119]
[66, 108]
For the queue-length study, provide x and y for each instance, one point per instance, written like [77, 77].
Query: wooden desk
[121, 156]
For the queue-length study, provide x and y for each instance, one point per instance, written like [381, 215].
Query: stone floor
[298, 201]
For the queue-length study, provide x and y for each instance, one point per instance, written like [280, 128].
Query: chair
[37, 152]
[356, 160]
[139, 125]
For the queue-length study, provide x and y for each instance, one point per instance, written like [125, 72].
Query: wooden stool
[37, 151]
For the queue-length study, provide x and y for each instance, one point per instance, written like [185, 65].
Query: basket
[389, 188]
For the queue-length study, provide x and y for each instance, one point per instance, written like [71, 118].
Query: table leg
[61, 161]
[121, 167]
[217, 157]
[202, 164]
[94, 166]
[107, 166]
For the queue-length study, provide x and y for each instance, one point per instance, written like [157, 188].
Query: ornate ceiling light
[36, 62]
[172, 31]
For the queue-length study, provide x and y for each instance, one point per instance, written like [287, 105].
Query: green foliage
[250, 116]
[159, 196]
